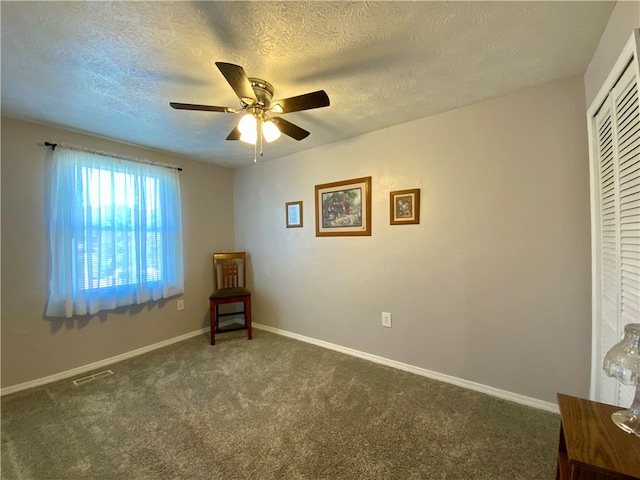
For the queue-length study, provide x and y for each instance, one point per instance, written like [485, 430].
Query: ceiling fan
[255, 97]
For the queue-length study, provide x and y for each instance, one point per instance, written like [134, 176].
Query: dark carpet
[269, 408]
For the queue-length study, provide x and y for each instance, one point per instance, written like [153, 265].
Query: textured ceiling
[110, 69]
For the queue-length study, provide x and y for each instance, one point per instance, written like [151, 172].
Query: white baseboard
[102, 363]
[495, 392]
[514, 397]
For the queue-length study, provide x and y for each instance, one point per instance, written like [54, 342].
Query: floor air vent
[91, 378]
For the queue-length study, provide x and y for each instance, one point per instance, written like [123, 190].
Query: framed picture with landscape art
[344, 208]
[405, 206]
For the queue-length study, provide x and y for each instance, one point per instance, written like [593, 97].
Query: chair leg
[247, 316]
[213, 320]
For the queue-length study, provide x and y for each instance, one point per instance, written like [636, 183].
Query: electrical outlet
[386, 319]
[181, 304]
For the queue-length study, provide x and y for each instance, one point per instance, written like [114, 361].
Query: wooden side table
[591, 446]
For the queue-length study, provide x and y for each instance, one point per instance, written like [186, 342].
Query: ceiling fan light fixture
[277, 108]
[270, 131]
[247, 125]
[249, 137]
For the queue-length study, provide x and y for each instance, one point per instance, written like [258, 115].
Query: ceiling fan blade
[301, 102]
[204, 108]
[290, 129]
[234, 135]
[239, 81]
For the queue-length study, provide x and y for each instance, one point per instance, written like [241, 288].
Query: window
[115, 233]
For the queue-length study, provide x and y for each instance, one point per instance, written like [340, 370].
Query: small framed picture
[405, 206]
[294, 214]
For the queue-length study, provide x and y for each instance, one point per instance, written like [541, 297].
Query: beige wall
[624, 18]
[34, 347]
[493, 285]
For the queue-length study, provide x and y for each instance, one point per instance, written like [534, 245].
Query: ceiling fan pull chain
[255, 152]
[261, 136]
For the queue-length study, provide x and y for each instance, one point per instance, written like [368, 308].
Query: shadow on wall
[57, 323]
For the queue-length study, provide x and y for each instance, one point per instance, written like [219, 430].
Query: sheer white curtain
[115, 233]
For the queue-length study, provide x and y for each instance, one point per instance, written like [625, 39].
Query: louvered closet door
[627, 122]
[618, 140]
[608, 230]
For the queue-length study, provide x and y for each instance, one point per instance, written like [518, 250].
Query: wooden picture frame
[344, 208]
[293, 211]
[404, 207]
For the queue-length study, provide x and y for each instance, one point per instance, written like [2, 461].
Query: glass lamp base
[628, 420]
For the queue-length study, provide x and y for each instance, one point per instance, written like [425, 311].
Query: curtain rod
[110, 154]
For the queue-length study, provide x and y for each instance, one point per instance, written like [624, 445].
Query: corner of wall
[624, 18]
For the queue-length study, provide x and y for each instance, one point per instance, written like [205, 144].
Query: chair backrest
[230, 270]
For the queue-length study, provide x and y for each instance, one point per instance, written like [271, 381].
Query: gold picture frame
[293, 211]
[404, 207]
[343, 208]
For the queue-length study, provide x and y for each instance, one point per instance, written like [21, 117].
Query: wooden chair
[230, 287]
